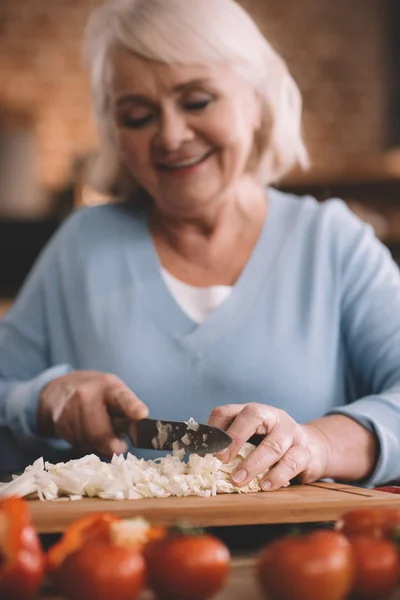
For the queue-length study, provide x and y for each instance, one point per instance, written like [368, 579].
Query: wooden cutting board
[295, 504]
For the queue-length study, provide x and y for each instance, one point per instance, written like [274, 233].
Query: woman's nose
[174, 130]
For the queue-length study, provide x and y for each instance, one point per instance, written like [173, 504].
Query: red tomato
[102, 571]
[187, 567]
[377, 522]
[377, 566]
[315, 566]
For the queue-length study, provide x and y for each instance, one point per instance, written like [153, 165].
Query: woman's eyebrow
[130, 98]
[181, 87]
[192, 83]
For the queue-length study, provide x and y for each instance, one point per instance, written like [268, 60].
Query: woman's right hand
[76, 407]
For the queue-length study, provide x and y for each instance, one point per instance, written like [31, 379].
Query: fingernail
[239, 476]
[223, 455]
[266, 485]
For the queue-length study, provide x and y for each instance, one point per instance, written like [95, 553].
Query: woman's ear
[262, 134]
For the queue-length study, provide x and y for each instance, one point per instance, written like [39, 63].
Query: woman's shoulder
[104, 215]
[102, 223]
[332, 217]
[328, 230]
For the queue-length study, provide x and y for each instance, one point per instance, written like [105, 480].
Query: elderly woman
[204, 292]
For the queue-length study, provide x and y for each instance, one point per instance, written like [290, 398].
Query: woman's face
[185, 133]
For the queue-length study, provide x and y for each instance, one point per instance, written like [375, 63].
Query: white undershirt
[196, 302]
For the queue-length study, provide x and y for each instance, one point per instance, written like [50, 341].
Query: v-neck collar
[170, 316]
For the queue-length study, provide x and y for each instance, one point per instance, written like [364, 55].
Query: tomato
[102, 571]
[377, 522]
[314, 566]
[377, 565]
[187, 567]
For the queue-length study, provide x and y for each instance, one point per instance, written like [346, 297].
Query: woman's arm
[26, 366]
[352, 450]
[358, 442]
[370, 330]
[49, 409]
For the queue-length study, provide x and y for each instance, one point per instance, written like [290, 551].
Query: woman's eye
[197, 104]
[136, 123]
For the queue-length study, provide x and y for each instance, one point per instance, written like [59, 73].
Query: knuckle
[282, 415]
[273, 445]
[80, 395]
[295, 461]
[217, 412]
[109, 379]
[255, 409]
[291, 464]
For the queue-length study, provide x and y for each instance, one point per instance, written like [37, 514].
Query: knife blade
[158, 434]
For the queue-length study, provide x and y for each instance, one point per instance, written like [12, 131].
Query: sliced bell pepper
[94, 527]
[21, 555]
[100, 528]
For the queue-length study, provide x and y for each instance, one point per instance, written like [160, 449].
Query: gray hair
[189, 32]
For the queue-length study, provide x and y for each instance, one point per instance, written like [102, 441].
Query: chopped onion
[130, 477]
[192, 425]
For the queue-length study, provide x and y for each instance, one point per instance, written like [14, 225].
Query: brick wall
[336, 51]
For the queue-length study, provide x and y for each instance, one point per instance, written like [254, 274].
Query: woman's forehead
[137, 75]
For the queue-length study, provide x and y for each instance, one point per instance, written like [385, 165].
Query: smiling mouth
[185, 164]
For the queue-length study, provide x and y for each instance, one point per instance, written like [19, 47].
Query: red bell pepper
[90, 528]
[21, 555]
[99, 528]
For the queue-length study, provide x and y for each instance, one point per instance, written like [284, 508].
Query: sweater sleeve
[26, 363]
[370, 326]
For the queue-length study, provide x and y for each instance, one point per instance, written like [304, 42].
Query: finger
[120, 399]
[98, 431]
[64, 416]
[247, 423]
[65, 426]
[222, 416]
[75, 415]
[64, 431]
[293, 462]
[272, 448]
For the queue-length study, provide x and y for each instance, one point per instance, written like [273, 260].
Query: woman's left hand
[288, 449]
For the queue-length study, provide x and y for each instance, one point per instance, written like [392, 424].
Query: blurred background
[345, 56]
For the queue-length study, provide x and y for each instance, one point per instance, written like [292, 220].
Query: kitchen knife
[154, 434]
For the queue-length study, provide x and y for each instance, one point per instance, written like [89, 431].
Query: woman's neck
[212, 247]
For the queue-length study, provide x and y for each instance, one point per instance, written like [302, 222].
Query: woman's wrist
[351, 449]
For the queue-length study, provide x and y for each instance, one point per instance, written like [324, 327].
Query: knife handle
[123, 426]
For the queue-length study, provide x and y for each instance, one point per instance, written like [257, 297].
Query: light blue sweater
[312, 326]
